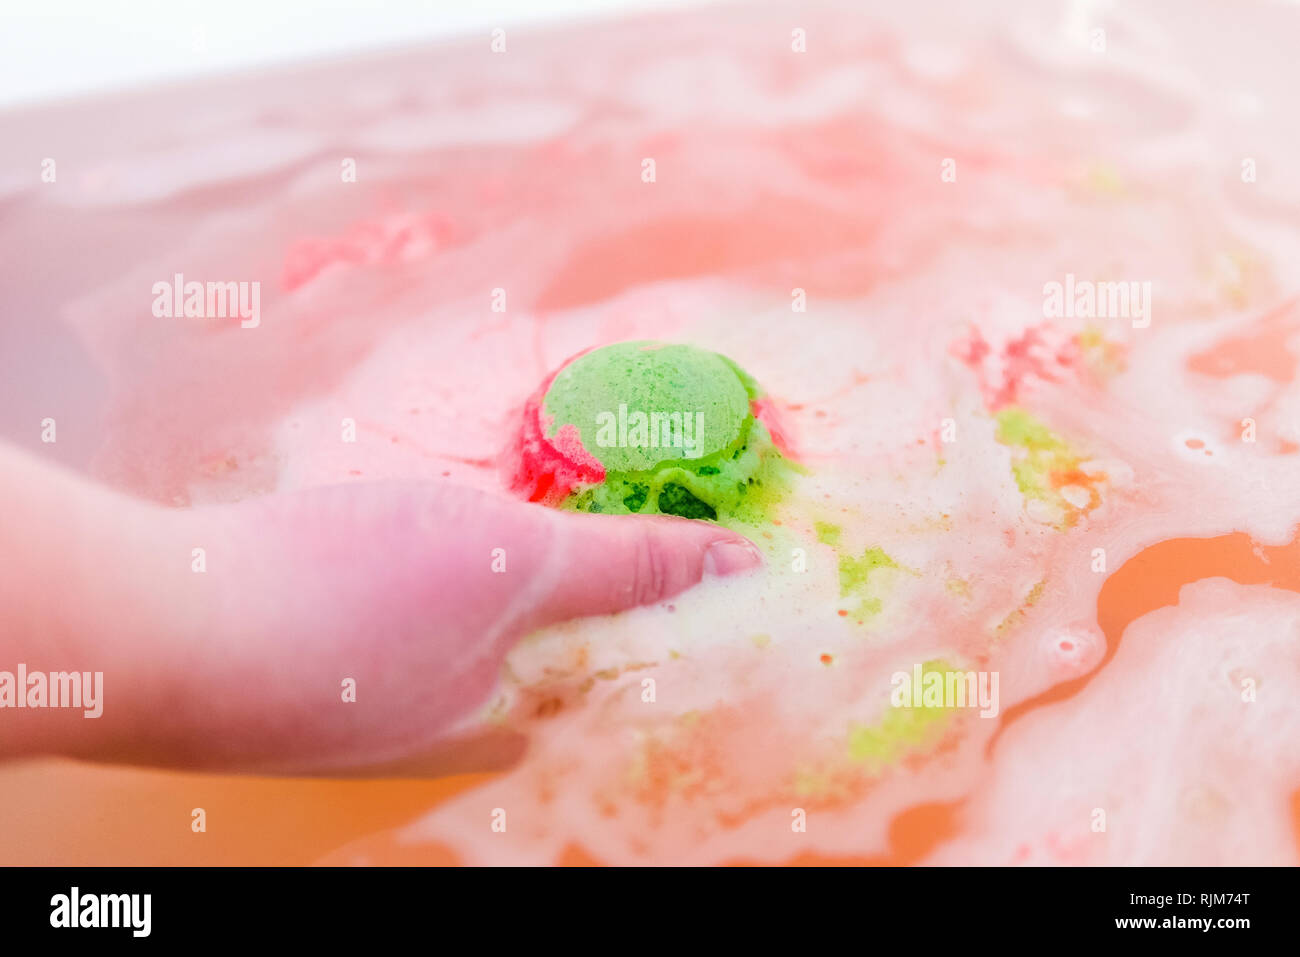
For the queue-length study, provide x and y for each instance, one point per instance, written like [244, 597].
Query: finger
[606, 564]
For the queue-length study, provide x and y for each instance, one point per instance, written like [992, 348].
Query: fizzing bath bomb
[647, 427]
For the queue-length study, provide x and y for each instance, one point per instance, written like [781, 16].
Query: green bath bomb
[673, 428]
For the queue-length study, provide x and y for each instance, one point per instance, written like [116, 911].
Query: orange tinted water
[63, 813]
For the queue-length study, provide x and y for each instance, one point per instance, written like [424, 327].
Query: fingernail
[730, 557]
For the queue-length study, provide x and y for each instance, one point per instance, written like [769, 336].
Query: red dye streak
[547, 470]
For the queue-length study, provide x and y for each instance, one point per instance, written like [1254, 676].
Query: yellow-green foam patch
[1018, 427]
[860, 579]
[901, 730]
[868, 749]
[827, 533]
[1044, 464]
[855, 573]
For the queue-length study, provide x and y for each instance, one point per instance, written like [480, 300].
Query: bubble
[1074, 649]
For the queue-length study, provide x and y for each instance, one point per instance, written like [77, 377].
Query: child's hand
[414, 591]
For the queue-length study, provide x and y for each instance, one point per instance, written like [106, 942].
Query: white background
[56, 48]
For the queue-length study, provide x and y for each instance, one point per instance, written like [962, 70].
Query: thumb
[603, 564]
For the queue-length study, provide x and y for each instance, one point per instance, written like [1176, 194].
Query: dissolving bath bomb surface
[649, 427]
[694, 404]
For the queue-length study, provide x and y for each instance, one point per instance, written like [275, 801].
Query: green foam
[665, 383]
[672, 426]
